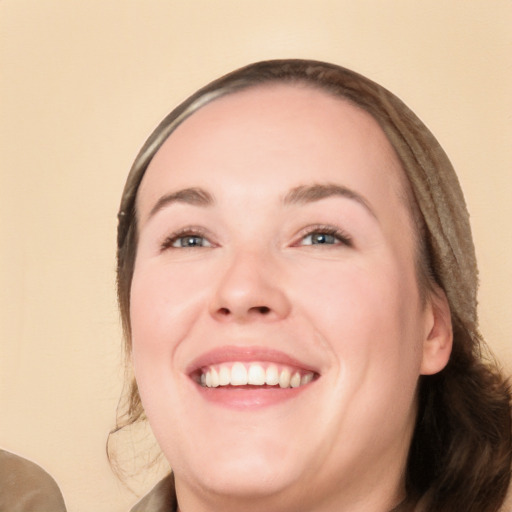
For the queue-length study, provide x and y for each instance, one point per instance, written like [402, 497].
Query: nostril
[255, 310]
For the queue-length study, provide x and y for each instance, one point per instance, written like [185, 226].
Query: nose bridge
[250, 288]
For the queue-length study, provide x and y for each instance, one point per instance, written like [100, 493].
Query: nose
[250, 289]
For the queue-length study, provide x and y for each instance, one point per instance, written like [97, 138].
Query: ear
[437, 345]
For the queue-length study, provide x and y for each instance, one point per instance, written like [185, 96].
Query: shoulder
[26, 487]
[162, 498]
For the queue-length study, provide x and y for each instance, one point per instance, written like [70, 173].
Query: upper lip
[232, 353]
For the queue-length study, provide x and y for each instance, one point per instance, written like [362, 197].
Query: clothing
[26, 487]
[162, 498]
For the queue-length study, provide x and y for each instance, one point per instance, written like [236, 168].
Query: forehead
[300, 104]
[265, 124]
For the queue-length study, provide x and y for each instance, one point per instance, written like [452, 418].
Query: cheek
[163, 307]
[366, 314]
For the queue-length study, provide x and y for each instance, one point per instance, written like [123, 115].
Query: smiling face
[277, 327]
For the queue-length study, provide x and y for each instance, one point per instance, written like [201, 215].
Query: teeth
[215, 378]
[307, 378]
[272, 375]
[238, 375]
[295, 380]
[224, 376]
[284, 378]
[254, 374]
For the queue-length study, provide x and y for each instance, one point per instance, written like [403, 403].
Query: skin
[351, 310]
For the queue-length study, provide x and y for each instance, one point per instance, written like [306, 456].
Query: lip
[232, 353]
[248, 397]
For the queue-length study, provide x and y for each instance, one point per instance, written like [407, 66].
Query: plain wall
[81, 86]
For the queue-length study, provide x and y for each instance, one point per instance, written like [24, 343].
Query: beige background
[81, 86]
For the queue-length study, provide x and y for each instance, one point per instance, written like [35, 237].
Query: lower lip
[248, 397]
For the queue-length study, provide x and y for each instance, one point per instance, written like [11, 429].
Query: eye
[191, 241]
[325, 236]
[186, 240]
[319, 239]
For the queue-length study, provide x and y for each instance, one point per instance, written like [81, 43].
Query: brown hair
[461, 451]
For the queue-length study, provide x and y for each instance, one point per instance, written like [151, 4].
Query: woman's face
[278, 330]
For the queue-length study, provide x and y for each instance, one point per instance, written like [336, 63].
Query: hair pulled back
[461, 451]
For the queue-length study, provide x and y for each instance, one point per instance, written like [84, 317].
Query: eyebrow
[194, 196]
[304, 194]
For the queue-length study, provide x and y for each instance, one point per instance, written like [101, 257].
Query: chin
[246, 478]
[249, 468]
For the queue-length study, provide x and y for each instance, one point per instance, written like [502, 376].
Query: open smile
[250, 376]
[253, 374]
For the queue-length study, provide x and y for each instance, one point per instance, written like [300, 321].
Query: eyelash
[195, 232]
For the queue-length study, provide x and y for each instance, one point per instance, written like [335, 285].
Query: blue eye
[190, 241]
[319, 239]
[186, 239]
[326, 236]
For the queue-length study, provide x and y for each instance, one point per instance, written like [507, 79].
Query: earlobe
[437, 345]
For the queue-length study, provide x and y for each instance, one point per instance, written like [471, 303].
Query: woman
[297, 283]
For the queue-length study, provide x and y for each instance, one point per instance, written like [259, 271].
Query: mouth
[250, 377]
[254, 374]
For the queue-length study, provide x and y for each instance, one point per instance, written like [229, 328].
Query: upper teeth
[255, 374]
